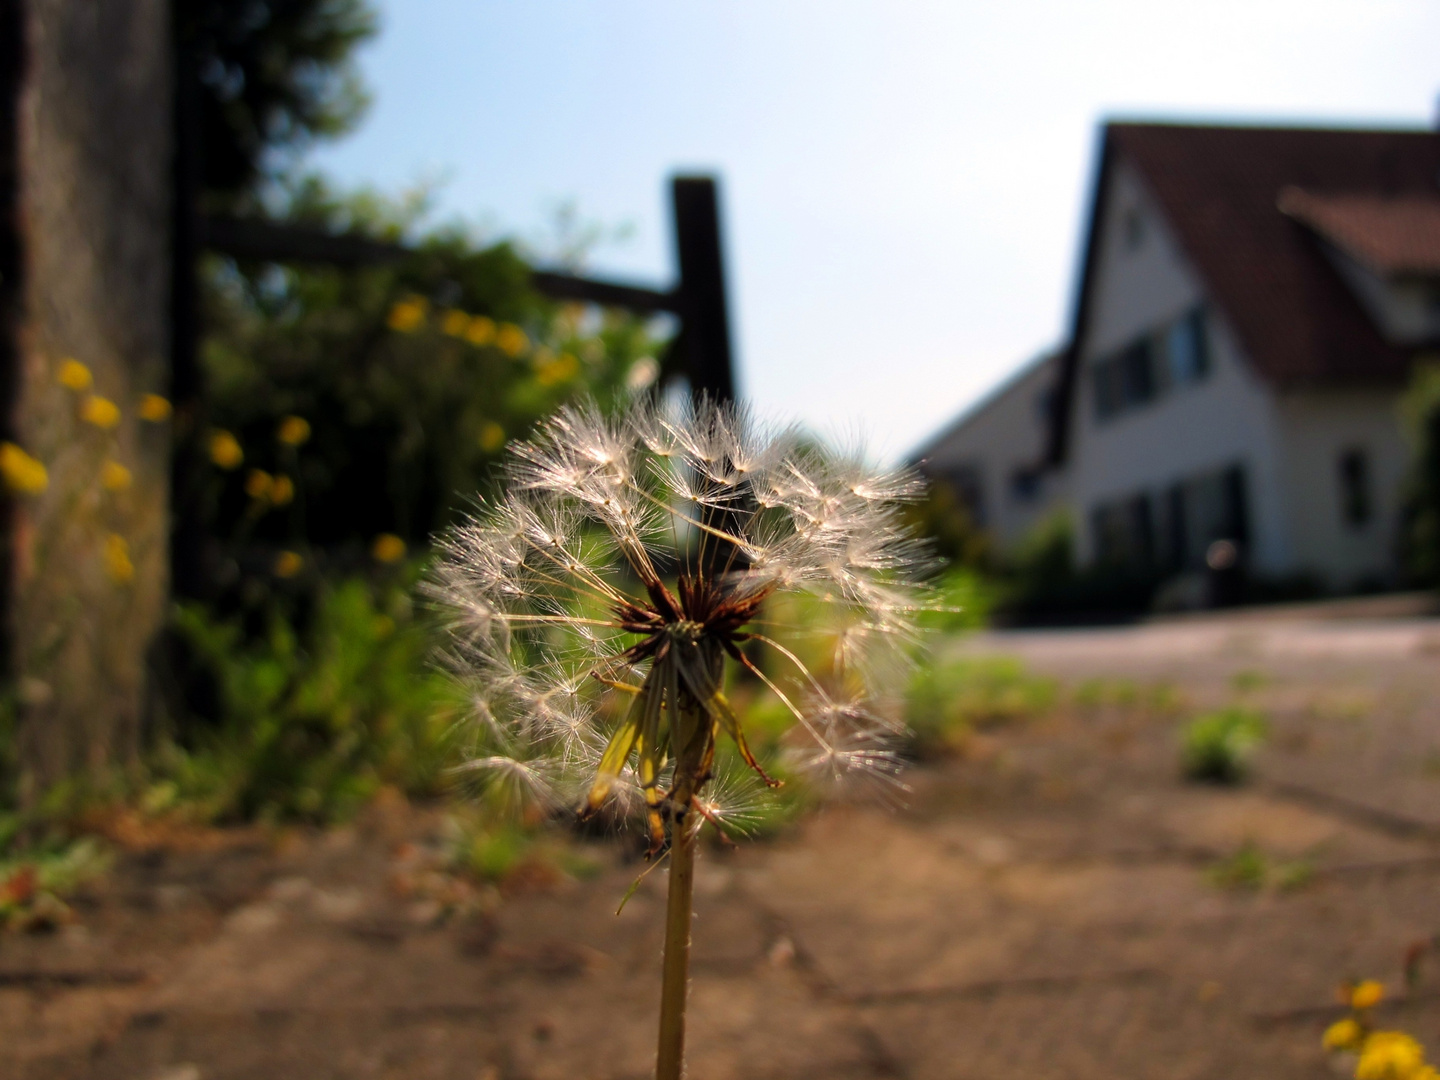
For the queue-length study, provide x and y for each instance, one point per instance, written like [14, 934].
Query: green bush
[307, 726]
[1421, 408]
[1217, 747]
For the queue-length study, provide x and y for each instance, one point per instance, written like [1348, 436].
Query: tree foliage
[272, 76]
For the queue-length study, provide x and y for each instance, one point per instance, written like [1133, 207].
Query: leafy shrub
[1216, 747]
[308, 725]
[1421, 408]
[357, 402]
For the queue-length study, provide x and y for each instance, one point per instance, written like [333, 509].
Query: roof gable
[1220, 189]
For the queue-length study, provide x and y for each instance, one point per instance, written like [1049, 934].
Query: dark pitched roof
[1220, 189]
[1393, 235]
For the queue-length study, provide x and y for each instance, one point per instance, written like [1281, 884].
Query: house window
[1201, 509]
[1025, 484]
[1187, 349]
[1151, 366]
[1124, 532]
[1134, 228]
[1355, 501]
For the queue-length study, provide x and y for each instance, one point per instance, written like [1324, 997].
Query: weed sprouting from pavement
[1216, 747]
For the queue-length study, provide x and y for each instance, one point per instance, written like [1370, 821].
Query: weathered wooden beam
[605, 293]
[275, 241]
[704, 309]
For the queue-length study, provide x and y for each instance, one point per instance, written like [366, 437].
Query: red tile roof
[1220, 187]
[1394, 235]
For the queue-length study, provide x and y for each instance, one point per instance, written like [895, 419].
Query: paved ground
[1043, 908]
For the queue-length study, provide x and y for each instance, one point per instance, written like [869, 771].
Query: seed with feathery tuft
[631, 559]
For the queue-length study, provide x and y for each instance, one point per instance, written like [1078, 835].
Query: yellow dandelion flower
[293, 431]
[23, 474]
[114, 476]
[101, 412]
[562, 369]
[455, 322]
[387, 548]
[511, 339]
[288, 564]
[1389, 1055]
[1342, 1035]
[225, 450]
[282, 490]
[155, 409]
[481, 331]
[1364, 995]
[408, 315]
[73, 375]
[258, 484]
[492, 436]
[117, 559]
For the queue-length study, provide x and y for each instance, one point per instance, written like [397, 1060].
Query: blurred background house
[1251, 303]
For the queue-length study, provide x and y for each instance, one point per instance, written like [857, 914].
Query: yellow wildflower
[1364, 995]
[155, 409]
[388, 548]
[258, 484]
[225, 449]
[492, 436]
[288, 564]
[23, 474]
[562, 369]
[74, 375]
[117, 559]
[1342, 1035]
[1389, 1055]
[293, 431]
[481, 331]
[408, 315]
[114, 476]
[511, 339]
[455, 322]
[282, 490]
[99, 411]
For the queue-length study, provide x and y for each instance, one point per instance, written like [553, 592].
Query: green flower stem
[670, 1061]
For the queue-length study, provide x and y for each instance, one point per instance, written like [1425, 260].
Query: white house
[991, 456]
[1250, 303]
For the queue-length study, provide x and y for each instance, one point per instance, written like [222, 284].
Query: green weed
[946, 702]
[1251, 870]
[1217, 747]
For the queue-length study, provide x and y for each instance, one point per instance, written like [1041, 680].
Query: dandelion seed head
[629, 556]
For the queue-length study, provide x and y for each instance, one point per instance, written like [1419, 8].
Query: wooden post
[704, 310]
[86, 92]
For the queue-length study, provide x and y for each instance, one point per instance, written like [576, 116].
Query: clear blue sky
[903, 180]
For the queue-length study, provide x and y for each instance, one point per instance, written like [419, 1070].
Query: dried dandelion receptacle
[596, 607]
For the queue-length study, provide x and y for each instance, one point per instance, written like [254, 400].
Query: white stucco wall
[1227, 418]
[1004, 433]
[1290, 443]
[1317, 428]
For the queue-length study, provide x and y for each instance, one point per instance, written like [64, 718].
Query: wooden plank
[606, 293]
[274, 241]
[709, 363]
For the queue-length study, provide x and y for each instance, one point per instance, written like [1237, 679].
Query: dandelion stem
[670, 1060]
